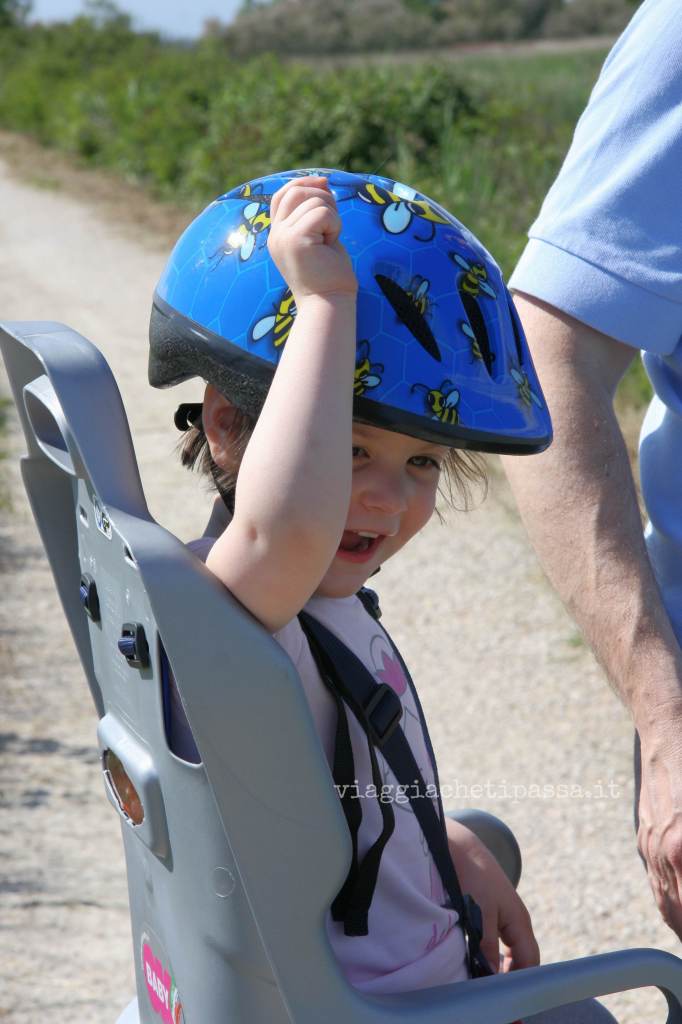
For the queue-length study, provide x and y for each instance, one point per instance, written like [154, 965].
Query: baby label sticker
[163, 995]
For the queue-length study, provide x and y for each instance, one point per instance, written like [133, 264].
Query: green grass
[45, 181]
[576, 640]
[635, 391]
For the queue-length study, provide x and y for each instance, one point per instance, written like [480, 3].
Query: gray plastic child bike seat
[233, 862]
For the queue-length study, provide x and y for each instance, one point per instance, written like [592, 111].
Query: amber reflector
[122, 787]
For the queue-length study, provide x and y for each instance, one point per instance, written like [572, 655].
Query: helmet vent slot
[477, 324]
[517, 330]
[405, 308]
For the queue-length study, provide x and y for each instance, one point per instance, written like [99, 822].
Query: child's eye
[357, 450]
[426, 461]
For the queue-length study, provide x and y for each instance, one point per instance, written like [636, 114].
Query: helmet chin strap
[188, 415]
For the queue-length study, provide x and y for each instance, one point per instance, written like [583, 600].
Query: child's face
[395, 481]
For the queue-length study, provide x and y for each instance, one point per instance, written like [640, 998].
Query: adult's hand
[659, 834]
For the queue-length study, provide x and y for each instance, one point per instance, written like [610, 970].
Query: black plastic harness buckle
[132, 644]
[384, 712]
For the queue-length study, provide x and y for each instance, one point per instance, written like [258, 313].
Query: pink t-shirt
[413, 941]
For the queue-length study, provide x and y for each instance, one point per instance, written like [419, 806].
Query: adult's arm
[579, 505]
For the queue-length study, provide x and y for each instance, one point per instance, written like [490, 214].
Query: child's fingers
[314, 212]
[312, 223]
[294, 186]
[318, 226]
[297, 198]
[303, 181]
[517, 935]
[294, 192]
[291, 192]
[506, 959]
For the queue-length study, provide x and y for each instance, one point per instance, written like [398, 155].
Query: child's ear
[217, 417]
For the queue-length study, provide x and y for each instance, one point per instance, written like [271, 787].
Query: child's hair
[463, 470]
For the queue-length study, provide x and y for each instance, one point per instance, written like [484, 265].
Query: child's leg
[587, 1011]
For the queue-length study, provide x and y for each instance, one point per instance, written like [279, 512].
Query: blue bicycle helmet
[441, 353]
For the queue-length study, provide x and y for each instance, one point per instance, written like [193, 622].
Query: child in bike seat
[359, 347]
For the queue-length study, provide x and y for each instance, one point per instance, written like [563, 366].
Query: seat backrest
[235, 860]
[193, 921]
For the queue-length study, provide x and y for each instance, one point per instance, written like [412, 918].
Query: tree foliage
[589, 17]
[14, 13]
[357, 26]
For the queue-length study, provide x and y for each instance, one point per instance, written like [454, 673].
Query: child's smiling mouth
[358, 546]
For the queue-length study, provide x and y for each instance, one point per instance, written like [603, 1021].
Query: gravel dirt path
[516, 705]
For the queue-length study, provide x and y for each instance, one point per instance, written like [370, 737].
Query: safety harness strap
[378, 709]
[370, 600]
[351, 905]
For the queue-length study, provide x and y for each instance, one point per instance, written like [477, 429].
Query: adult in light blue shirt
[600, 278]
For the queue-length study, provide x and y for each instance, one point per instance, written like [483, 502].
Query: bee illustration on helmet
[474, 280]
[366, 373]
[472, 284]
[478, 350]
[418, 290]
[400, 207]
[255, 219]
[279, 323]
[442, 401]
[526, 394]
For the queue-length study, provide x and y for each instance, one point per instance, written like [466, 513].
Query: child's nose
[385, 493]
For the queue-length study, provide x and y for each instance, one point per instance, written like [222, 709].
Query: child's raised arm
[294, 483]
